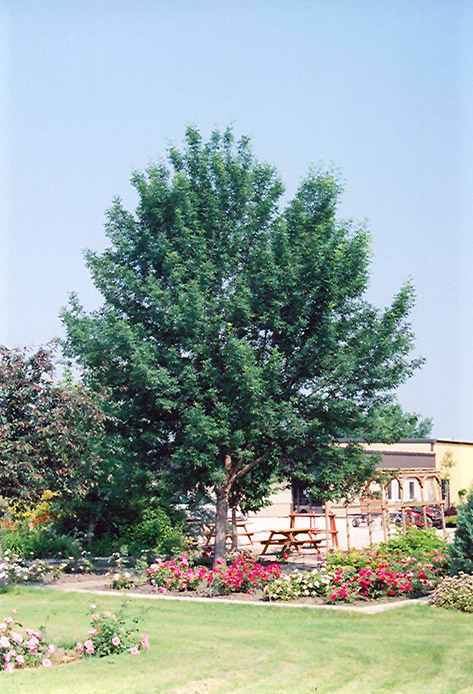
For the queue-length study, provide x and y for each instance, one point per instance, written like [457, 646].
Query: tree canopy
[234, 334]
[52, 435]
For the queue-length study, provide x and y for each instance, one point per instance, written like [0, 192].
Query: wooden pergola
[375, 503]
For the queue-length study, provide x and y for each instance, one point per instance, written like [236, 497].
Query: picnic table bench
[293, 537]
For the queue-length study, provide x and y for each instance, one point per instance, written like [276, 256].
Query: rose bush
[23, 648]
[111, 633]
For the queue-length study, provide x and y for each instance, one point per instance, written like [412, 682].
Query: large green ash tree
[234, 334]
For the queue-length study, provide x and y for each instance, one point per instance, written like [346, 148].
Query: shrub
[301, 584]
[22, 648]
[455, 592]
[398, 576]
[176, 574]
[14, 569]
[38, 537]
[415, 541]
[358, 558]
[155, 530]
[245, 575]
[111, 634]
[461, 551]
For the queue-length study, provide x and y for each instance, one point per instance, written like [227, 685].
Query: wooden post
[442, 515]
[327, 534]
[422, 498]
[347, 518]
[370, 522]
[383, 512]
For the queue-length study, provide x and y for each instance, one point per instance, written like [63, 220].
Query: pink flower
[8, 667]
[51, 648]
[46, 663]
[94, 616]
[116, 641]
[19, 659]
[107, 614]
[89, 647]
[79, 647]
[92, 632]
[144, 643]
[17, 638]
[4, 642]
[93, 607]
[134, 651]
[8, 620]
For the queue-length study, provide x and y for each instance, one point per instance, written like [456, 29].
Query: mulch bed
[101, 583]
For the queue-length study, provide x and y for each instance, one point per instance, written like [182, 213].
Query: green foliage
[390, 423]
[27, 540]
[234, 337]
[155, 531]
[415, 541]
[461, 550]
[356, 558]
[455, 592]
[49, 433]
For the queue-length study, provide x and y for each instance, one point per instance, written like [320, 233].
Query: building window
[412, 490]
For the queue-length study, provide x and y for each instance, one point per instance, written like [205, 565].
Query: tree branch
[246, 468]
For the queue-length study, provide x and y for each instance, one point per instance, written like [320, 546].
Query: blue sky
[380, 90]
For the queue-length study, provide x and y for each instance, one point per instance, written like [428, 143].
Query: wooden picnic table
[241, 528]
[291, 537]
[311, 517]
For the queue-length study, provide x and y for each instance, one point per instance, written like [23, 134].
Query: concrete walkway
[95, 586]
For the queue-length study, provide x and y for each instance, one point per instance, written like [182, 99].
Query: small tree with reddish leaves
[50, 433]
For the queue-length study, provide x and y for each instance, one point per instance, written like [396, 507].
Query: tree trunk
[221, 525]
[90, 532]
[234, 530]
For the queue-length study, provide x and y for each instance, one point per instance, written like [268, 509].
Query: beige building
[452, 459]
[421, 461]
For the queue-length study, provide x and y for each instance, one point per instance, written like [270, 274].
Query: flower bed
[344, 577]
[243, 575]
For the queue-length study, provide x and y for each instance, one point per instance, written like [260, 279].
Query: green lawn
[218, 648]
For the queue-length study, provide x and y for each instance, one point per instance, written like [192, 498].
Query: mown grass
[219, 648]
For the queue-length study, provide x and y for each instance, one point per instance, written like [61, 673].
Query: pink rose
[46, 663]
[116, 641]
[134, 651]
[144, 643]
